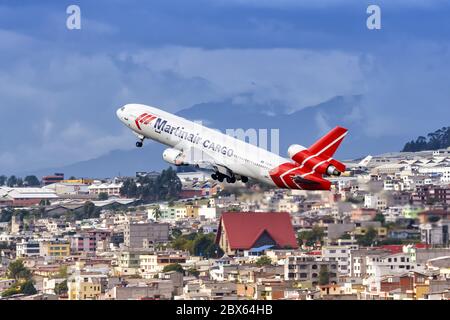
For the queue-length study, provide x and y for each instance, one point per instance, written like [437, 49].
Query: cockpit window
[122, 109]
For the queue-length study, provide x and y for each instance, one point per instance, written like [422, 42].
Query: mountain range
[301, 127]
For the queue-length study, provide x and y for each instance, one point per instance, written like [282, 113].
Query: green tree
[3, 180]
[61, 288]
[157, 213]
[89, 210]
[6, 215]
[11, 291]
[368, 238]
[62, 272]
[204, 245]
[263, 261]
[18, 271]
[12, 181]
[102, 196]
[32, 181]
[44, 202]
[28, 288]
[19, 182]
[173, 267]
[310, 237]
[380, 217]
[324, 275]
[176, 233]
[194, 272]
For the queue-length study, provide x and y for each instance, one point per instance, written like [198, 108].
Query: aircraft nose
[119, 113]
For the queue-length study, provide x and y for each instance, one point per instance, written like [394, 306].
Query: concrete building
[153, 263]
[339, 254]
[435, 233]
[111, 189]
[145, 235]
[55, 248]
[307, 269]
[27, 248]
[154, 290]
[25, 197]
[86, 286]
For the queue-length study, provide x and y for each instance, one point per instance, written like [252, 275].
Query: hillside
[440, 139]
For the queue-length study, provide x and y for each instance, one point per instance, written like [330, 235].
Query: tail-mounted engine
[315, 162]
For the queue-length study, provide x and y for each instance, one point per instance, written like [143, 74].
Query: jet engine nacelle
[294, 149]
[303, 157]
[173, 156]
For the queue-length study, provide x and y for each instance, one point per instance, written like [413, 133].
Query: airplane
[231, 159]
[360, 165]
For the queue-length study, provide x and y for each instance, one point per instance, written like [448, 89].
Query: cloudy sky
[59, 88]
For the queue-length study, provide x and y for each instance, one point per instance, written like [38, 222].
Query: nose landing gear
[139, 144]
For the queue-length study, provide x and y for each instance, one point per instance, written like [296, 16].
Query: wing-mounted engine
[175, 157]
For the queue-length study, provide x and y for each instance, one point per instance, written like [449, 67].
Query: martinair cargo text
[232, 159]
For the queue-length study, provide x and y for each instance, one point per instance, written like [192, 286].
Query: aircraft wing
[205, 161]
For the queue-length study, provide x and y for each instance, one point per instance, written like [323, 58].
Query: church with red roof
[240, 231]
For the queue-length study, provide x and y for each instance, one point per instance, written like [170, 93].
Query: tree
[28, 288]
[62, 272]
[173, 267]
[3, 180]
[263, 261]
[102, 196]
[157, 213]
[310, 237]
[12, 181]
[88, 209]
[440, 139]
[204, 245]
[194, 272]
[324, 276]
[44, 202]
[176, 233]
[19, 182]
[11, 291]
[61, 288]
[368, 238]
[380, 217]
[32, 181]
[18, 271]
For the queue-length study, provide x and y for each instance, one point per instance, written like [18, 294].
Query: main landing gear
[221, 177]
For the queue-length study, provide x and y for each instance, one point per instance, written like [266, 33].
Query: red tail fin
[328, 144]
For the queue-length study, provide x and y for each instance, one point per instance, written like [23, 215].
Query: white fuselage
[240, 157]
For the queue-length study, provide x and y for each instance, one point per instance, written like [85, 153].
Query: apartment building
[86, 286]
[55, 248]
[153, 263]
[144, 235]
[27, 248]
[339, 254]
[307, 269]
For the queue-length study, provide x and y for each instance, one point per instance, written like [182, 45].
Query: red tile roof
[244, 228]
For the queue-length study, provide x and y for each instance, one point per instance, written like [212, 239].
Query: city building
[240, 231]
[146, 234]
